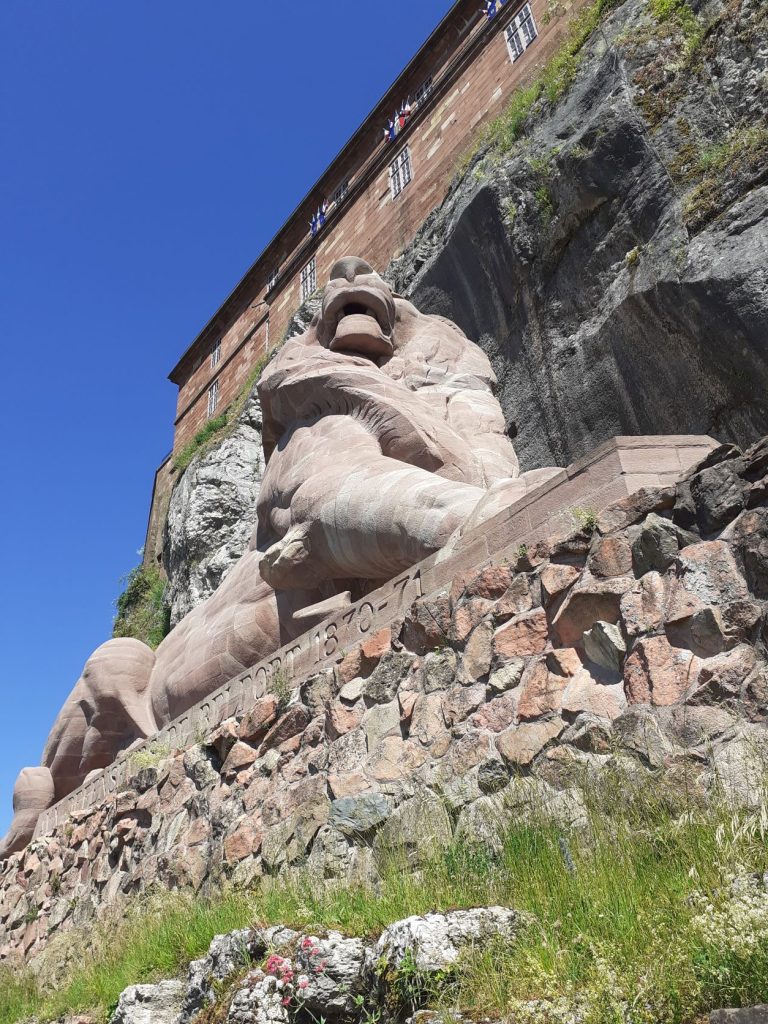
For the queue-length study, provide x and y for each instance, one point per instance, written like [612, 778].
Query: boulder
[433, 942]
[520, 744]
[604, 645]
[610, 556]
[329, 974]
[226, 955]
[718, 493]
[150, 1004]
[523, 635]
[658, 673]
[587, 601]
[745, 1015]
[657, 543]
[359, 815]
[387, 678]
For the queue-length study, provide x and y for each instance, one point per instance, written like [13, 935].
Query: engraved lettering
[365, 618]
[331, 639]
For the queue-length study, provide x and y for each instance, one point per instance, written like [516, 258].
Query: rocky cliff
[212, 513]
[609, 252]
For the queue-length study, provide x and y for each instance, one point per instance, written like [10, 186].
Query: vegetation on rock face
[552, 82]
[141, 609]
[743, 154]
[645, 914]
[217, 429]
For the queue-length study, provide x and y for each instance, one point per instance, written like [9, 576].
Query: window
[400, 172]
[422, 93]
[309, 279]
[520, 32]
[213, 398]
[273, 279]
[216, 354]
[340, 192]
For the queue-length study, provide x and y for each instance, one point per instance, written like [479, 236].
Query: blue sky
[149, 151]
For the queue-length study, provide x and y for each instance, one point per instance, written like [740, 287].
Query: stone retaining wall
[617, 468]
[492, 680]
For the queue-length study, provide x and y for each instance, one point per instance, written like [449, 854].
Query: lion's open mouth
[359, 319]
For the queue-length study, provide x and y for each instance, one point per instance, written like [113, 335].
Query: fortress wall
[371, 223]
[441, 687]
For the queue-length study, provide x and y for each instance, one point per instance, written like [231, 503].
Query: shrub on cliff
[141, 609]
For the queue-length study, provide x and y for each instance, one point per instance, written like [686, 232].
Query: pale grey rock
[387, 678]
[417, 828]
[439, 670]
[226, 954]
[359, 815]
[744, 1015]
[605, 645]
[149, 1004]
[506, 678]
[737, 768]
[435, 941]
[258, 1001]
[333, 968]
[212, 513]
[534, 800]
[333, 856]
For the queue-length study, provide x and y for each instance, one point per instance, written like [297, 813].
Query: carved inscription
[312, 652]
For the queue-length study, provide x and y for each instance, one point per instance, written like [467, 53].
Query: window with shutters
[340, 192]
[520, 32]
[213, 398]
[423, 92]
[309, 279]
[400, 172]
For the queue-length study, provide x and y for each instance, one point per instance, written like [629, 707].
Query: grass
[280, 686]
[681, 15]
[141, 609]
[554, 80]
[741, 156]
[150, 757]
[585, 518]
[630, 919]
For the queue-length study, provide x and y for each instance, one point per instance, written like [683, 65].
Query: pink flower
[303, 981]
[307, 943]
[286, 1001]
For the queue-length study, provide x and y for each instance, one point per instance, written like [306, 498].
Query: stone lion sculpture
[382, 438]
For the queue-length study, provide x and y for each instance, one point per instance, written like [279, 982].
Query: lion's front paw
[287, 565]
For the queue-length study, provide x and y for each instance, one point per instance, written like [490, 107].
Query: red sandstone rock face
[658, 673]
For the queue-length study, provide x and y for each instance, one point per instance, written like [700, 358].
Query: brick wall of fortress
[467, 689]
[371, 223]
